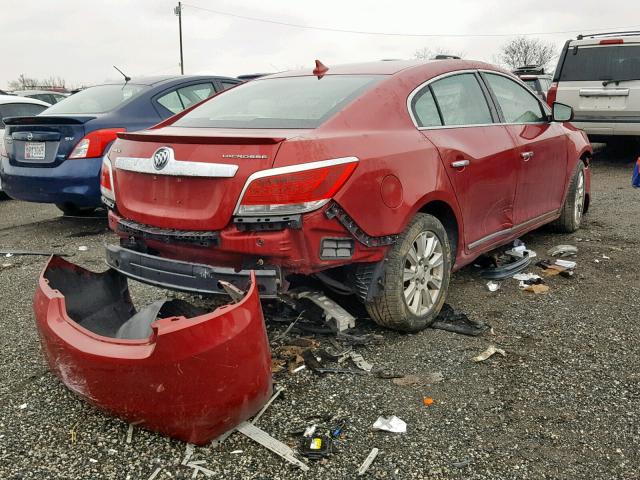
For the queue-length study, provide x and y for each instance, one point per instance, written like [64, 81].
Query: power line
[394, 34]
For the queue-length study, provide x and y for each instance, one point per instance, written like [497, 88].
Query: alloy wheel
[423, 273]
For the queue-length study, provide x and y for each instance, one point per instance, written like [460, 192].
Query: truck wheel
[416, 277]
[573, 208]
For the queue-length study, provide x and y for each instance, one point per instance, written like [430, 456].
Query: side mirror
[561, 112]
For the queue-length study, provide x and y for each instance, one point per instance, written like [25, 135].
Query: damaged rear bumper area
[171, 367]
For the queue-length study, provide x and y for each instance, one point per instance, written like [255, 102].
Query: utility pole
[178, 11]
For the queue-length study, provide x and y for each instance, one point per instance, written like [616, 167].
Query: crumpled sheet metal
[192, 379]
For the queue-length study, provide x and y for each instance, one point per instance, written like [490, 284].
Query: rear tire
[73, 210]
[416, 277]
[573, 208]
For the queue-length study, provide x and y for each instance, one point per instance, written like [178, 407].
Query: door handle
[460, 163]
[526, 156]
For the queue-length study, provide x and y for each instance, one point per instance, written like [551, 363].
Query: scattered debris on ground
[492, 349]
[390, 424]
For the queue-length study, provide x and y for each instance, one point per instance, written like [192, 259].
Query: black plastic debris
[316, 447]
[457, 322]
[508, 269]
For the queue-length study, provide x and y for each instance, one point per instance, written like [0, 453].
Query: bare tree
[26, 83]
[428, 53]
[526, 51]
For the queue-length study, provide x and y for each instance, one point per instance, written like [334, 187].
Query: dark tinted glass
[618, 62]
[19, 110]
[100, 99]
[290, 102]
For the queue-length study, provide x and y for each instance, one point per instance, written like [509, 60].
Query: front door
[541, 150]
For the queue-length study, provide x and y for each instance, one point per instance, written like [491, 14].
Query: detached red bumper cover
[193, 376]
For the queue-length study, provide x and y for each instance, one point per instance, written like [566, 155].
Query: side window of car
[518, 105]
[195, 93]
[425, 110]
[226, 85]
[171, 101]
[461, 100]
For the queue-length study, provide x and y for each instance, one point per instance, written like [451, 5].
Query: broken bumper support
[192, 378]
[187, 276]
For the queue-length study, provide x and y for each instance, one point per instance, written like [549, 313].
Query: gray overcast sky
[81, 40]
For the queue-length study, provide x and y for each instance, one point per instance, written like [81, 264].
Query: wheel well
[586, 159]
[443, 212]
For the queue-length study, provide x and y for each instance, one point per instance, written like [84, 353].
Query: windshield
[100, 99]
[619, 62]
[290, 102]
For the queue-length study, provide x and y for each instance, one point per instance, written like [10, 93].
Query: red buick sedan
[379, 179]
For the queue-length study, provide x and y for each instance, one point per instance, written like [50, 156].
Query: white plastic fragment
[566, 263]
[93, 460]
[360, 362]
[23, 406]
[310, 430]
[301, 367]
[235, 452]
[488, 353]
[523, 277]
[188, 453]
[493, 286]
[83, 248]
[390, 424]
[278, 391]
[368, 461]
[130, 433]
[155, 473]
[266, 440]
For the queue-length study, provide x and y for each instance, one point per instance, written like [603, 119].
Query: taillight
[94, 144]
[294, 189]
[106, 183]
[552, 94]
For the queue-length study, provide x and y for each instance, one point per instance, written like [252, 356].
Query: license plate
[34, 150]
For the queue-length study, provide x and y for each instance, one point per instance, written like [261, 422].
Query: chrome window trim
[419, 88]
[298, 167]
[177, 168]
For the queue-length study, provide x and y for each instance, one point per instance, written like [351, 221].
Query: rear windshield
[291, 102]
[100, 99]
[618, 62]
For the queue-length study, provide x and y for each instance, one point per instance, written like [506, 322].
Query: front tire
[573, 208]
[416, 278]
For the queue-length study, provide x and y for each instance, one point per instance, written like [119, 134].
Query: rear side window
[461, 100]
[195, 93]
[226, 85]
[614, 62]
[425, 110]
[19, 110]
[177, 100]
[100, 99]
[518, 104]
[288, 102]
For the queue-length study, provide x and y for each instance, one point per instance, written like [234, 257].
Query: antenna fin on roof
[320, 69]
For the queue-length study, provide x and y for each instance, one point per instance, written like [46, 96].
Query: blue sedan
[55, 157]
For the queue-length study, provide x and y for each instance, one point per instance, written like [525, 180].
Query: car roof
[167, 79]
[391, 67]
[31, 92]
[4, 99]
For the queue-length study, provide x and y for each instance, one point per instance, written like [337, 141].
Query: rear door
[477, 152]
[541, 149]
[601, 81]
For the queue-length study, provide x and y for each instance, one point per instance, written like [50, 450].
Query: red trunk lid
[190, 202]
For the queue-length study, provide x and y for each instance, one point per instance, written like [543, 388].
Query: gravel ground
[562, 404]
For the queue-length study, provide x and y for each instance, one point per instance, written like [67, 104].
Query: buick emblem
[162, 157]
[29, 136]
